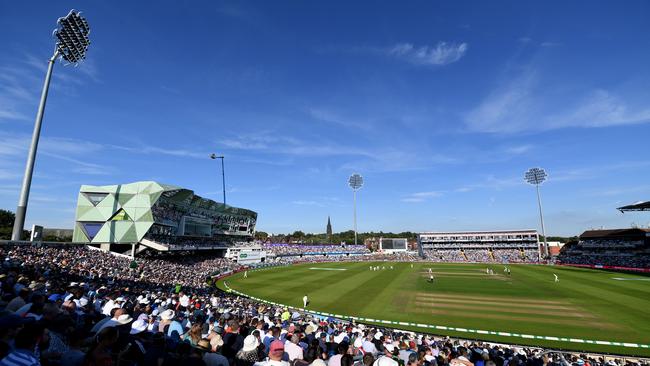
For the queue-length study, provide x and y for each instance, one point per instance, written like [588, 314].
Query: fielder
[245, 274]
[556, 278]
[305, 301]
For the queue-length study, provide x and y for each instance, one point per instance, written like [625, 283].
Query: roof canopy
[612, 234]
[639, 206]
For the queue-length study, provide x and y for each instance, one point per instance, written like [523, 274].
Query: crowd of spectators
[299, 249]
[615, 260]
[612, 252]
[91, 265]
[188, 242]
[77, 306]
[509, 255]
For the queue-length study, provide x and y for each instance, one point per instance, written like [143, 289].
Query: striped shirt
[20, 357]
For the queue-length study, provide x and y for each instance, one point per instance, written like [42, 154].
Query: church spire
[329, 228]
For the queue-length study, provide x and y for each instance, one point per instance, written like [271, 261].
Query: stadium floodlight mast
[223, 174]
[72, 43]
[537, 176]
[355, 182]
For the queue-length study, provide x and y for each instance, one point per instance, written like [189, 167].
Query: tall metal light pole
[223, 175]
[537, 176]
[355, 182]
[71, 44]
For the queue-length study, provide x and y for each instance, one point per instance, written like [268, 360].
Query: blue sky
[441, 106]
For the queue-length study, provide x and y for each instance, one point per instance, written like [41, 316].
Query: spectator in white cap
[385, 361]
[368, 345]
[212, 358]
[110, 305]
[166, 319]
[116, 321]
[249, 354]
[138, 327]
[115, 313]
[136, 348]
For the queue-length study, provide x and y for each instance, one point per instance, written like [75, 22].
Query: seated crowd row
[76, 306]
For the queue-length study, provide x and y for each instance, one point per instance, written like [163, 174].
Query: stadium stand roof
[638, 206]
[124, 213]
[614, 233]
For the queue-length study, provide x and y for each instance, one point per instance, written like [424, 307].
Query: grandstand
[616, 248]
[480, 246]
[150, 215]
[292, 252]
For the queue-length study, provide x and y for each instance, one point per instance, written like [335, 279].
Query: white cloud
[326, 115]
[279, 144]
[9, 174]
[8, 113]
[422, 196]
[154, 150]
[506, 109]
[349, 157]
[441, 54]
[307, 203]
[82, 167]
[64, 145]
[518, 150]
[550, 44]
[600, 109]
[618, 191]
[523, 104]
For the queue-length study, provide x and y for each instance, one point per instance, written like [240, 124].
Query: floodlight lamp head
[72, 37]
[215, 156]
[355, 181]
[535, 176]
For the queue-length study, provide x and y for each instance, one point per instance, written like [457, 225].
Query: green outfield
[584, 306]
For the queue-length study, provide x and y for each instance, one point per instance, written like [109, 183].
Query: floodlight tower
[223, 174]
[71, 45]
[355, 182]
[537, 176]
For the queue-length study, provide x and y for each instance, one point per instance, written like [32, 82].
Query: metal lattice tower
[355, 182]
[537, 176]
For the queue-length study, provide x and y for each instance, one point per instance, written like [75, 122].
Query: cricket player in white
[429, 270]
[245, 274]
[305, 301]
[556, 278]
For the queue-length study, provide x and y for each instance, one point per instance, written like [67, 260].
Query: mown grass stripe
[462, 330]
